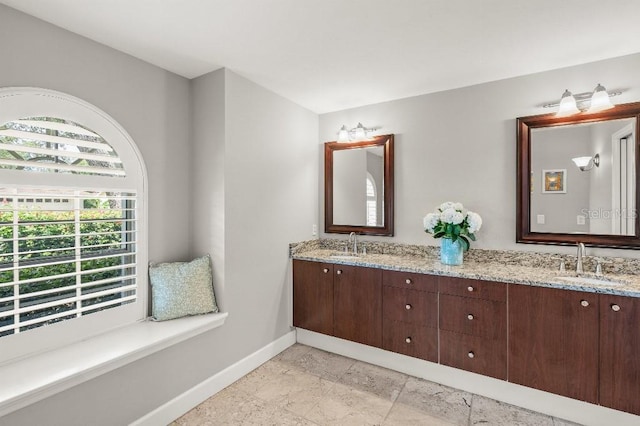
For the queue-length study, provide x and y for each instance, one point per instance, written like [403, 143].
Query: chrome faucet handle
[599, 262]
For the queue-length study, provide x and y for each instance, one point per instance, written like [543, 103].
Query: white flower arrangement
[451, 221]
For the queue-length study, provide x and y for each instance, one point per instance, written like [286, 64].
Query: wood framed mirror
[559, 202]
[358, 187]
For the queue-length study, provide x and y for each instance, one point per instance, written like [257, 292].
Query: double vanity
[512, 316]
[568, 326]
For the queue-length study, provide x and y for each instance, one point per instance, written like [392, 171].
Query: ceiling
[329, 55]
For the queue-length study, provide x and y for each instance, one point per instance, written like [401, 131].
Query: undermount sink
[591, 280]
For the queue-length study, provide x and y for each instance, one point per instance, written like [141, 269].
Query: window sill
[32, 379]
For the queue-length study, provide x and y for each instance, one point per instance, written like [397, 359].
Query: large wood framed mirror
[358, 187]
[561, 203]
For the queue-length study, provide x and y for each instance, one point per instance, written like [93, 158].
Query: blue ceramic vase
[450, 252]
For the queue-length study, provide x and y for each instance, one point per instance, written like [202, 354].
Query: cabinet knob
[407, 306]
[615, 308]
[471, 354]
[325, 270]
[408, 281]
[470, 317]
[470, 288]
[408, 340]
[339, 271]
[584, 303]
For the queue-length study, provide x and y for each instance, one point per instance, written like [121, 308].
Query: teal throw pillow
[179, 289]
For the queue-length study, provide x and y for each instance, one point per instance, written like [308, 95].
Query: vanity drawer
[410, 339]
[478, 317]
[412, 306]
[421, 282]
[475, 354]
[473, 288]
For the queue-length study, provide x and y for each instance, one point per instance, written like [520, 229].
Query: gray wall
[241, 185]
[460, 145]
[349, 189]
[553, 148]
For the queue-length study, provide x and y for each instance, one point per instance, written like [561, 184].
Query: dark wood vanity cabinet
[553, 341]
[577, 344]
[410, 314]
[357, 304]
[620, 353]
[338, 300]
[313, 296]
[473, 326]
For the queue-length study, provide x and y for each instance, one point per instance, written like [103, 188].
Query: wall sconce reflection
[587, 163]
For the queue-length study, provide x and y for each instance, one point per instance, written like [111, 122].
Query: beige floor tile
[297, 391]
[292, 353]
[266, 373]
[324, 364]
[436, 400]
[345, 405]
[403, 415]
[228, 407]
[376, 380]
[489, 411]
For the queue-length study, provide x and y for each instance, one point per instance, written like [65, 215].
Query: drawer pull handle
[470, 288]
[325, 270]
[470, 317]
[408, 340]
[407, 306]
[615, 308]
[339, 272]
[471, 354]
[584, 303]
[408, 281]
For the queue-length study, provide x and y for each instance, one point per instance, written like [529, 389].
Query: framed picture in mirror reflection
[554, 181]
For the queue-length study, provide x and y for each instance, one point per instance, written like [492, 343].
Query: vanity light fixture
[590, 102]
[587, 163]
[356, 134]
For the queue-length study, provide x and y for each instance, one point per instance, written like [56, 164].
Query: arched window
[372, 202]
[72, 222]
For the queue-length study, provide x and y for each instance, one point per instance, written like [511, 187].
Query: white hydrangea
[475, 222]
[430, 221]
[451, 205]
[452, 216]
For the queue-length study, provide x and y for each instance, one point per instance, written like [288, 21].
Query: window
[72, 240]
[372, 202]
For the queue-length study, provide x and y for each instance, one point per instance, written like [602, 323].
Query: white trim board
[181, 404]
[521, 396]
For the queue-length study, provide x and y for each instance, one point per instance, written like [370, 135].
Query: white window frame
[17, 103]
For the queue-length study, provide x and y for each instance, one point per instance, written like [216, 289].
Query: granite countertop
[490, 268]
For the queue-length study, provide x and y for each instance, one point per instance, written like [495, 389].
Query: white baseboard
[521, 396]
[181, 404]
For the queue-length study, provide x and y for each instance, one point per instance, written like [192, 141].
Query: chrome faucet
[355, 242]
[582, 251]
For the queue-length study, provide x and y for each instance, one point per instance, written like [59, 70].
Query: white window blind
[49, 144]
[372, 215]
[64, 253]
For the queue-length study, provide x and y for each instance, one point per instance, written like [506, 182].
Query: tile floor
[307, 386]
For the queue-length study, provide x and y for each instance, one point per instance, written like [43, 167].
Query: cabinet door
[485, 318]
[473, 353]
[357, 304]
[553, 341]
[416, 307]
[410, 339]
[313, 296]
[620, 353]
